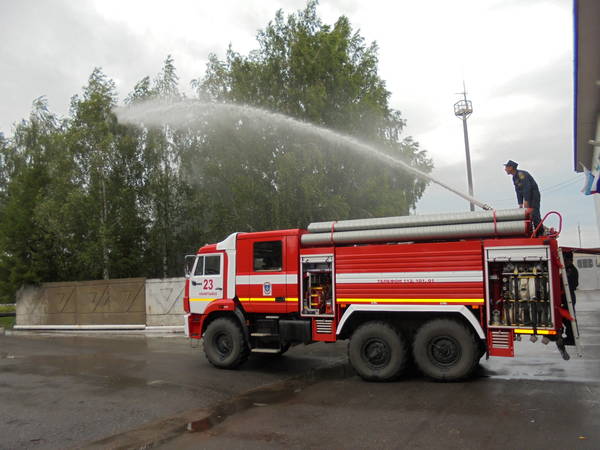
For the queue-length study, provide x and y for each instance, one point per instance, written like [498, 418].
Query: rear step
[266, 350]
[265, 338]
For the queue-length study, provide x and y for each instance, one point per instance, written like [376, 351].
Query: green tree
[162, 187]
[107, 184]
[141, 91]
[27, 249]
[4, 169]
[321, 74]
[86, 197]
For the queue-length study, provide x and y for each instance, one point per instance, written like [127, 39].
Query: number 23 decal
[207, 284]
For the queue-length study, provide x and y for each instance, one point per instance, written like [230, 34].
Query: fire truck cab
[442, 304]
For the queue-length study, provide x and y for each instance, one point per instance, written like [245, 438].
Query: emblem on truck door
[267, 289]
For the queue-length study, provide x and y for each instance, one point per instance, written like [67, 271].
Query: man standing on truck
[528, 194]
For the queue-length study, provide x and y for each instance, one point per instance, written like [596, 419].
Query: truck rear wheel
[377, 351]
[445, 350]
[224, 344]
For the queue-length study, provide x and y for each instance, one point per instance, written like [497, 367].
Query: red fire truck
[437, 290]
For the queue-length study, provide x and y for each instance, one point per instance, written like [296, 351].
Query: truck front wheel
[377, 351]
[224, 343]
[445, 350]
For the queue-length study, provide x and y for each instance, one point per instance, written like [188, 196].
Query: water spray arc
[187, 113]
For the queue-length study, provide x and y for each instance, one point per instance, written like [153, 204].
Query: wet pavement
[534, 401]
[535, 361]
[60, 391]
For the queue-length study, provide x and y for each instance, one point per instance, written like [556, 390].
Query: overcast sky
[515, 56]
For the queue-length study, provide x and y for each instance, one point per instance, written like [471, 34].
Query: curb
[156, 331]
[70, 328]
[79, 327]
[164, 430]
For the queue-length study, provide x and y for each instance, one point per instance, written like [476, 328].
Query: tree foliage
[87, 197]
[327, 76]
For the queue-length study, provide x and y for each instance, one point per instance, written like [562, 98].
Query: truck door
[206, 281]
[268, 278]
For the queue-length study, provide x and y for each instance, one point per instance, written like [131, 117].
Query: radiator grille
[501, 339]
[324, 326]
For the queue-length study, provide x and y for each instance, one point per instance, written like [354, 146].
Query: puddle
[269, 395]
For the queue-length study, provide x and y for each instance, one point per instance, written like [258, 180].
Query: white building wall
[588, 267]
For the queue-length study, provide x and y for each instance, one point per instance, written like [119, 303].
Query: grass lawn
[7, 322]
[7, 308]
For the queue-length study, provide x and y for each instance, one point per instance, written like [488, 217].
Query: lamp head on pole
[463, 109]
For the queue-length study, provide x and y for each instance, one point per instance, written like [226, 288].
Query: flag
[589, 184]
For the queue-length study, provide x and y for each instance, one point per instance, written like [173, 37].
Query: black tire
[378, 352]
[446, 350]
[224, 343]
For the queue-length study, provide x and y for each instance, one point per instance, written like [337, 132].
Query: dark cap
[511, 163]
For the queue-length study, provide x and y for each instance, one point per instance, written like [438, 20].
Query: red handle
[556, 233]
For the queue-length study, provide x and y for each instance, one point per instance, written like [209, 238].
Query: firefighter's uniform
[527, 190]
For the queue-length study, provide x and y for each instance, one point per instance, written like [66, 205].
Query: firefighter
[528, 194]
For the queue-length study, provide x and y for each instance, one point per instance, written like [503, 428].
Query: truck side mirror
[189, 264]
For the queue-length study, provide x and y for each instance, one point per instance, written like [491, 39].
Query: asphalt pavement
[106, 391]
[534, 401]
[62, 391]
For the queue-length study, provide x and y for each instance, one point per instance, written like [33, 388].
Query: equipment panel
[518, 283]
[317, 290]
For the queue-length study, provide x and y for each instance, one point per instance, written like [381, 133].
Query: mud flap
[193, 325]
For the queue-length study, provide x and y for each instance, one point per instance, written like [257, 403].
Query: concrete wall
[100, 302]
[164, 302]
[131, 301]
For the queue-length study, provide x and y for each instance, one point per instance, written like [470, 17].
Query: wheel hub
[444, 351]
[376, 353]
[223, 344]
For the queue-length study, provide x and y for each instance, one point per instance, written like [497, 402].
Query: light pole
[463, 109]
